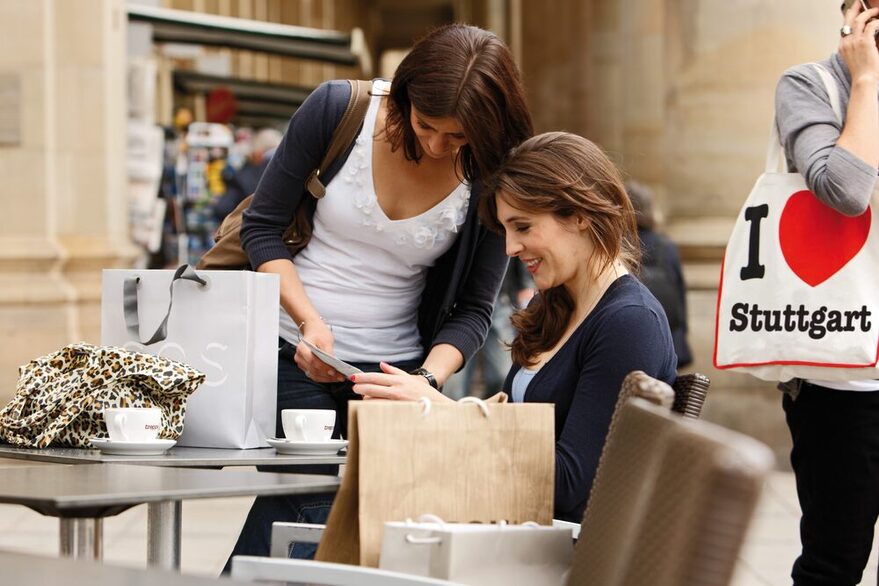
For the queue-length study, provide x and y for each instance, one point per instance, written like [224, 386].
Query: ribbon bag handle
[130, 303]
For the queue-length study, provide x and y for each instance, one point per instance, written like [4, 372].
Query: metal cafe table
[20, 568]
[176, 456]
[82, 495]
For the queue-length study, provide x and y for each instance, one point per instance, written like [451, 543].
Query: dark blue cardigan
[626, 331]
[461, 287]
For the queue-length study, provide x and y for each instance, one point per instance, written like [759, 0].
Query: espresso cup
[133, 424]
[308, 425]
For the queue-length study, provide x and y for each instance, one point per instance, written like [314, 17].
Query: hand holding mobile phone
[865, 6]
[848, 4]
[342, 367]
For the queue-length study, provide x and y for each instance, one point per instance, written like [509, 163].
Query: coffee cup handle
[119, 423]
[299, 422]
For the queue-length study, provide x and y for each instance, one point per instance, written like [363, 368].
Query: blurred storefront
[679, 92]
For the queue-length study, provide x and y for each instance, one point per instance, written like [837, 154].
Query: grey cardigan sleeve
[809, 129]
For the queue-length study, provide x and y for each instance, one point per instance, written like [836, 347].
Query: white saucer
[300, 448]
[121, 448]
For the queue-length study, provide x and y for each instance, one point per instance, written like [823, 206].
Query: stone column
[557, 62]
[65, 200]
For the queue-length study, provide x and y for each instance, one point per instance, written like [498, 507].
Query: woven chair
[639, 384]
[690, 391]
[671, 504]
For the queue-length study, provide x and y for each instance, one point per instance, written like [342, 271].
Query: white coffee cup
[308, 425]
[133, 424]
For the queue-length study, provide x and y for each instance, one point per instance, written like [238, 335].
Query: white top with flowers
[365, 272]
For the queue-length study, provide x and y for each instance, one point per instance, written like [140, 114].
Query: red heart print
[816, 240]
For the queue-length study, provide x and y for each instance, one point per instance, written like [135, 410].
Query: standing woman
[835, 425]
[398, 267]
[565, 214]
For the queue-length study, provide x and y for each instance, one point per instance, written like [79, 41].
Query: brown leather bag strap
[344, 135]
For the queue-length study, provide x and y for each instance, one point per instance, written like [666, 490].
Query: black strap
[344, 134]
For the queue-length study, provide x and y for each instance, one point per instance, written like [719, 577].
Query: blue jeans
[297, 391]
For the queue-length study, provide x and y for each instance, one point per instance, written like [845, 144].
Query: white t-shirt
[365, 273]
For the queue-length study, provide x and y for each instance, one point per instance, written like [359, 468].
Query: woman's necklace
[595, 291]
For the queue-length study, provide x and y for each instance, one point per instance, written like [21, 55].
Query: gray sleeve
[808, 129]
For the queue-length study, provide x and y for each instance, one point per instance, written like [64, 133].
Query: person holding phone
[835, 426]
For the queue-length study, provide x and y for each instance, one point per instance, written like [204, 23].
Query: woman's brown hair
[469, 74]
[568, 176]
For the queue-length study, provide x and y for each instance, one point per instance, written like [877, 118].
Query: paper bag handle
[776, 160]
[425, 518]
[422, 540]
[129, 302]
[482, 406]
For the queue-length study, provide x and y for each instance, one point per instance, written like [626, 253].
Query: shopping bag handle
[776, 160]
[129, 302]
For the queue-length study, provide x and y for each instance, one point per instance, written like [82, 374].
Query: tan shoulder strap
[343, 135]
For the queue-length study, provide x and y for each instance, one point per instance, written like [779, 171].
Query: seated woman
[564, 212]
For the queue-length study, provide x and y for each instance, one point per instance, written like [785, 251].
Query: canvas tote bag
[481, 554]
[225, 324]
[798, 294]
[483, 463]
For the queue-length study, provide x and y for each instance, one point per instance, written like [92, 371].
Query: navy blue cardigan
[626, 331]
[461, 287]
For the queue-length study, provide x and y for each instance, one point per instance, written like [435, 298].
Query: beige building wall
[64, 192]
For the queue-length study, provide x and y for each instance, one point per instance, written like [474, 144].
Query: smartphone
[848, 4]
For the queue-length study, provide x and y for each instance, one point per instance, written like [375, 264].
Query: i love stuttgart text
[817, 323]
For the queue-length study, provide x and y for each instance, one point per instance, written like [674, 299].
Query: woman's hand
[860, 133]
[395, 384]
[858, 49]
[319, 334]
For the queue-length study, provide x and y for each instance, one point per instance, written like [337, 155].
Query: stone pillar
[65, 200]
[557, 62]
[722, 61]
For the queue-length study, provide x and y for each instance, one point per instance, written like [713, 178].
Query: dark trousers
[835, 458]
[297, 391]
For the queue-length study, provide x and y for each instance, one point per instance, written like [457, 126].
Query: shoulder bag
[227, 252]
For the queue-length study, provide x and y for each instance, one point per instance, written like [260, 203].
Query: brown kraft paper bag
[454, 460]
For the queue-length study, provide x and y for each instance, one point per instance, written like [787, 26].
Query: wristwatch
[431, 380]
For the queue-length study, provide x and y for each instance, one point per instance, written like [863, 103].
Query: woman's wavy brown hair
[469, 74]
[568, 176]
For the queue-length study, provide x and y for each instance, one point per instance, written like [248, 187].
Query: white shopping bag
[798, 294]
[227, 328]
[478, 554]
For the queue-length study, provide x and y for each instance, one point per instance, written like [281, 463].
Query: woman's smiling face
[438, 137]
[555, 250]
